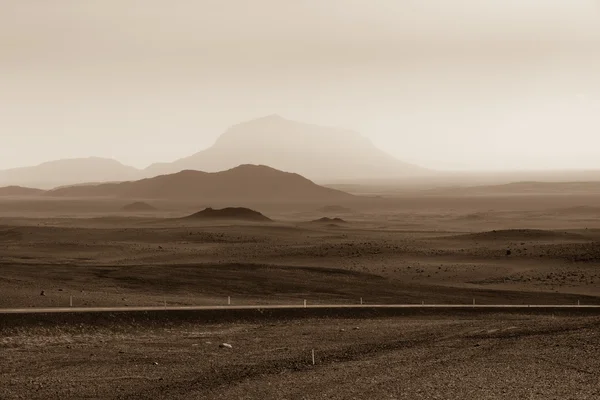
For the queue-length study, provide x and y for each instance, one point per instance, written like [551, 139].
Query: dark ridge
[231, 213]
[521, 234]
[327, 220]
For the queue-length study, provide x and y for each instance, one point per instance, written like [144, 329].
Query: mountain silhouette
[230, 213]
[68, 172]
[317, 152]
[256, 183]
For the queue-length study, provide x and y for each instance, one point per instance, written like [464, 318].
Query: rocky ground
[416, 252]
[445, 357]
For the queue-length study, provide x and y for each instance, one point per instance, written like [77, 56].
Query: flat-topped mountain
[254, 183]
[317, 152]
[19, 191]
[68, 172]
[230, 213]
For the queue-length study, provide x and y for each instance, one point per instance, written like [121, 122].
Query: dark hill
[249, 183]
[327, 220]
[230, 213]
[19, 191]
[138, 206]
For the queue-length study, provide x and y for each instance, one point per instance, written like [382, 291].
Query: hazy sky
[479, 84]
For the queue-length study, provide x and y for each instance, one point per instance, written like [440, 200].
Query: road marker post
[165, 302]
[304, 303]
[578, 303]
[313, 356]
[361, 301]
[228, 300]
[71, 301]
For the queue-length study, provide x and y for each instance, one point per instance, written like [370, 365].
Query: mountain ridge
[245, 183]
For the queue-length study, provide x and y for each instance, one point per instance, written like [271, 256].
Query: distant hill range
[68, 172]
[246, 183]
[19, 191]
[319, 153]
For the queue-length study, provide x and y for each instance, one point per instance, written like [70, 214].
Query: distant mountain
[68, 172]
[19, 191]
[255, 183]
[230, 213]
[317, 152]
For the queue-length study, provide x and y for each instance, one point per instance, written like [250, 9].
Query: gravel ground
[489, 357]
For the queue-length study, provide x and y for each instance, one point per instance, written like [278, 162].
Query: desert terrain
[409, 248]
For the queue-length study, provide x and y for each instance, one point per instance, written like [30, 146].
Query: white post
[304, 303]
[313, 356]
[165, 301]
[361, 301]
[423, 302]
[71, 301]
[473, 301]
[578, 303]
[228, 300]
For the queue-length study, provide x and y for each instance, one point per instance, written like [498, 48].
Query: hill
[230, 213]
[317, 152]
[138, 206]
[19, 191]
[68, 172]
[250, 183]
[327, 220]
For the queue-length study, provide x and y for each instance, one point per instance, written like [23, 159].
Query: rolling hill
[255, 183]
[19, 191]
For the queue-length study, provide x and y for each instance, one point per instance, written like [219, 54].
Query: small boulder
[225, 346]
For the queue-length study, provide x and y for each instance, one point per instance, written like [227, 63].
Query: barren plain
[406, 249]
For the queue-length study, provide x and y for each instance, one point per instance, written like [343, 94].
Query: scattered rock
[154, 363]
[43, 293]
[225, 346]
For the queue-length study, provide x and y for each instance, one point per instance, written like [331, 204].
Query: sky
[453, 85]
